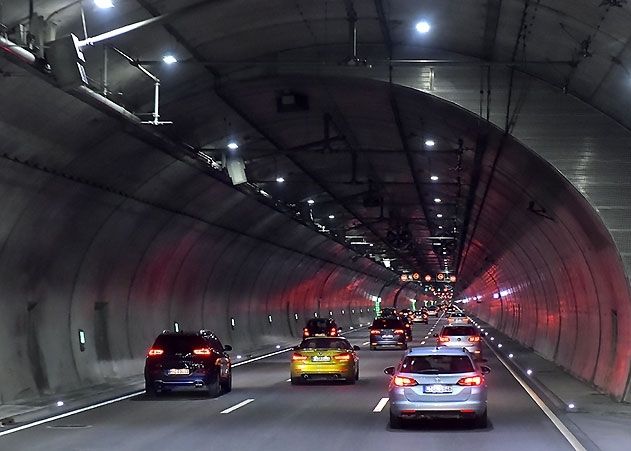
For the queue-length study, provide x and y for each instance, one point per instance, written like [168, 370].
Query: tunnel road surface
[265, 412]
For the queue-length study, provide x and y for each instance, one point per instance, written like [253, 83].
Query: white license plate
[437, 388]
[179, 371]
[321, 358]
[388, 336]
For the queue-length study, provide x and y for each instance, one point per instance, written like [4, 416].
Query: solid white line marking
[288, 380]
[261, 357]
[380, 405]
[366, 343]
[237, 406]
[67, 414]
[571, 438]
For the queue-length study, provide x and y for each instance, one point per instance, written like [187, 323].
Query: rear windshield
[325, 343]
[387, 323]
[437, 364]
[459, 331]
[318, 323]
[179, 343]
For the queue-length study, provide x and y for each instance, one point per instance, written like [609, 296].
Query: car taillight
[474, 339]
[443, 339]
[401, 381]
[398, 331]
[305, 332]
[375, 332]
[155, 352]
[407, 325]
[342, 357]
[470, 381]
[202, 351]
[298, 357]
[333, 331]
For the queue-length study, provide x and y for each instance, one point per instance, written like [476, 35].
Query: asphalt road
[307, 417]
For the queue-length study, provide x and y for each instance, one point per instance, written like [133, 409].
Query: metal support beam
[493, 8]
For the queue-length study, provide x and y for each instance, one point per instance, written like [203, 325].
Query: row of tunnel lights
[529, 372]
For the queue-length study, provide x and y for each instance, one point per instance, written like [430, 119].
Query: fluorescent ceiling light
[439, 215]
[434, 177]
[280, 179]
[423, 26]
[311, 201]
[437, 200]
[169, 59]
[331, 216]
[104, 4]
[430, 143]
[233, 145]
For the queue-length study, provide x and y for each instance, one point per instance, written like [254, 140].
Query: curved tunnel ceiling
[513, 223]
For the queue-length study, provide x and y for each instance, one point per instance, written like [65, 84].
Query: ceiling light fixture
[331, 216]
[430, 143]
[169, 59]
[311, 201]
[423, 26]
[280, 179]
[104, 4]
[233, 145]
[437, 200]
[439, 215]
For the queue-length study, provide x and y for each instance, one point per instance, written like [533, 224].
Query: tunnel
[310, 159]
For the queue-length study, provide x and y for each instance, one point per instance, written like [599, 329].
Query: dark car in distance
[389, 333]
[320, 327]
[190, 360]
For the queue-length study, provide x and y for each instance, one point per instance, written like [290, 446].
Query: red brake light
[155, 352]
[298, 357]
[470, 381]
[202, 351]
[342, 357]
[401, 381]
[474, 339]
[398, 331]
[443, 339]
[305, 332]
[375, 332]
[407, 325]
[333, 331]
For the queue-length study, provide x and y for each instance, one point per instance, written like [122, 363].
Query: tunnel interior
[119, 231]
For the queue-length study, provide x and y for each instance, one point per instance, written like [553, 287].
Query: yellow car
[329, 358]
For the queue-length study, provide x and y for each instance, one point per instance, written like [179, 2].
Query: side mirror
[356, 348]
[485, 369]
[227, 348]
[389, 371]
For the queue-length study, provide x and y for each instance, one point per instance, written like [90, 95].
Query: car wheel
[395, 421]
[373, 348]
[150, 390]
[405, 346]
[357, 374]
[214, 387]
[296, 381]
[226, 386]
[481, 421]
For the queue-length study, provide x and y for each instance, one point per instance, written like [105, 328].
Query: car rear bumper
[421, 410]
[388, 343]
[312, 371]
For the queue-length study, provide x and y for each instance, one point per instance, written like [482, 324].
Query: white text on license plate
[321, 358]
[179, 371]
[437, 388]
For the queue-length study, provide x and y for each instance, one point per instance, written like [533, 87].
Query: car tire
[481, 421]
[226, 386]
[296, 381]
[357, 374]
[214, 388]
[405, 346]
[150, 390]
[373, 348]
[395, 421]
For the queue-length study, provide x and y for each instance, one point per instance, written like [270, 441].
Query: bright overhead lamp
[438, 200]
[439, 215]
[423, 26]
[440, 227]
[434, 178]
[233, 145]
[331, 216]
[169, 59]
[280, 179]
[311, 201]
[430, 142]
[103, 4]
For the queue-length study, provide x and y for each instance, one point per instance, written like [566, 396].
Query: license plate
[437, 388]
[321, 358]
[388, 336]
[179, 371]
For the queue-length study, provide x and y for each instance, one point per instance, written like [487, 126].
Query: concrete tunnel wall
[553, 280]
[102, 233]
